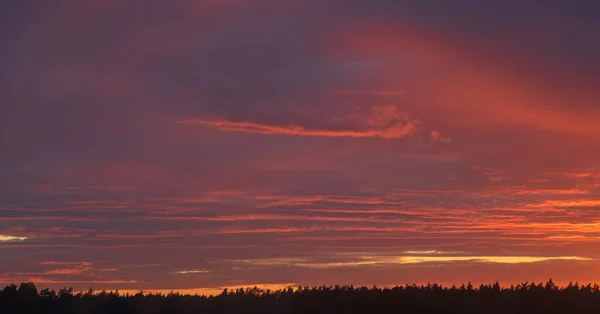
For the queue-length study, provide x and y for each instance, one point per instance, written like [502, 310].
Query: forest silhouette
[432, 298]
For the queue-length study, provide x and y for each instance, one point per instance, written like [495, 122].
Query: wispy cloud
[398, 131]
[385, 122]
[368, 92]
[429, 252]
[68, 271]
[437, 136]
[485, 259]
[277, 200]
[140, 265]
[65, 263]
[90, 281]
[8, 238]
[272, 261]
[567, 203]
[192, 271]
[357, 260]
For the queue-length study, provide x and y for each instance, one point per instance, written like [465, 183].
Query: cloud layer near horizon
[224, 143]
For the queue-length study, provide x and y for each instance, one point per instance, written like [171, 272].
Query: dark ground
[524, 298]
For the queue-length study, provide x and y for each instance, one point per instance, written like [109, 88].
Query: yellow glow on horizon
[211, 290]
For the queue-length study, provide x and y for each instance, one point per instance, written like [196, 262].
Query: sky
[194, 145]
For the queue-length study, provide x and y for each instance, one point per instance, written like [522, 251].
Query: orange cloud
[569, 203]
[91, 281]
[464, 83]
[67, 271]
[275, 200]
[437, 136]
[268, 217]
[368, 259]
[313, 229]
[576, 174]
[385, 122]
[549, 192]
[396, 131]
[65, 263]
[366, 92]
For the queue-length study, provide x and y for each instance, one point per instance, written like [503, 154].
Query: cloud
[105, 188]
[351, 92]
[465, 82]
[274, 217]
[65, 263]
[192, 271]
[427, 252]
[437, 136]
[77, 272]
[385, 122]
[272, 261]
[7, 238]
[567, 203]
[88, 281]
[278, 200]
[68, 271]
[486, 259]
[140, 265]
[367, 259]
[397, 131]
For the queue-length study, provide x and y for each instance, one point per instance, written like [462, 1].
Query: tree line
[528, 297]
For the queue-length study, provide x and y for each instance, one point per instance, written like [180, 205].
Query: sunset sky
[194, 145]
